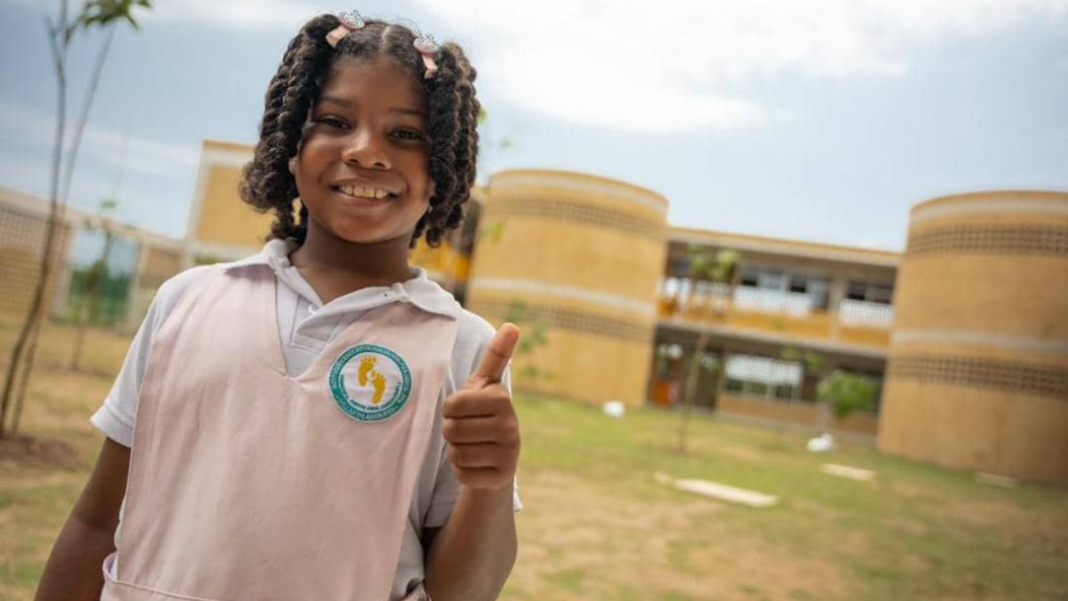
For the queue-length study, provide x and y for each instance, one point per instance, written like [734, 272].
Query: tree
[720, 268]
[534, 337]
[838, 392]
[848, 393]
[105, 14]
[97, 273]
[815, 364]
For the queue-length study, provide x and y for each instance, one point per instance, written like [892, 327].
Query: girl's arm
[472, 555]
[73, 571]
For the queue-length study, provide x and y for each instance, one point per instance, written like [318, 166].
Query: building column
[836, 293]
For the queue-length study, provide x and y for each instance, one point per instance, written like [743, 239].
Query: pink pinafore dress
[248, 484]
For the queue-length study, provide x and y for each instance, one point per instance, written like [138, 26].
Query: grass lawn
[597, 524]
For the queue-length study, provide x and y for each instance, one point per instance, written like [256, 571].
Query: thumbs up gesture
[480, 423]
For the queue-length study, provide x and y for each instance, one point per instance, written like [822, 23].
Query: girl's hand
[480, 423]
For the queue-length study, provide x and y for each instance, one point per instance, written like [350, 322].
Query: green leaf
[516, 312]
[105, 12]
[847, 393]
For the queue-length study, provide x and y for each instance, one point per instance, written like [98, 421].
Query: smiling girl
[319, 421]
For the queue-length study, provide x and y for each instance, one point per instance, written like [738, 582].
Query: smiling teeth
[363, 192]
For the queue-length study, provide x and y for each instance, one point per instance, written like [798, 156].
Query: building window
[764, 377]
[750, 277]
[857, 291]
[818, 291]
[870, 293]
[880, 294]
[772, 280]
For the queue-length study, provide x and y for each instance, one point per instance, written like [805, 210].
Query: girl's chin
[365, 236]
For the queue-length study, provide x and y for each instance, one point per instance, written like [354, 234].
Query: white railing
[772, 301]
[764, 370]
[855, 313]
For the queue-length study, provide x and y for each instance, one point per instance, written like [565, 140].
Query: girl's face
[362, 170]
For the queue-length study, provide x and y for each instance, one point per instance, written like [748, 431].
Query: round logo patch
[370, 382]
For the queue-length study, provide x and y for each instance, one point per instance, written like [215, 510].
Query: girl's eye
[405, 134]
[332, 122]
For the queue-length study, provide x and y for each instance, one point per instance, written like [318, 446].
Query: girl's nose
[366, 150]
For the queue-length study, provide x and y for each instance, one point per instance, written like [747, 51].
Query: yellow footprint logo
[367, 363]
[379, 383]
[370, 383]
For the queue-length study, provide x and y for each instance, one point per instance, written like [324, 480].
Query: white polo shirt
[306, 326]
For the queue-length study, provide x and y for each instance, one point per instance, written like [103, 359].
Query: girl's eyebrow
[345, 102]
[403, 111]
[336, 100]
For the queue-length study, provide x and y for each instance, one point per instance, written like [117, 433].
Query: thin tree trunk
[79, 335]
[690, 393]
[59, 56]
[24, 380]
[89, 310]
[721, 365]
[823, 413]
[83, 118]
[60, 207]
[721, 374]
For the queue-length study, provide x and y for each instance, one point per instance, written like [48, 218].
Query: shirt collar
[419, 290]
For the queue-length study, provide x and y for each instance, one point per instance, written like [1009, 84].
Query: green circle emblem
[370, 383]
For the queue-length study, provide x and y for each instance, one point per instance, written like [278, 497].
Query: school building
[964, 334]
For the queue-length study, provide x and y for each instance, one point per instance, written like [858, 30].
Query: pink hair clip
[351, 20]
[427, 47]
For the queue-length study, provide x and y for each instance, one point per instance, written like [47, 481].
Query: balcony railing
[772, 301]
[790, 314]
[862, 314]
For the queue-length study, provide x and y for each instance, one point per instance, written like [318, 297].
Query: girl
[320, 421]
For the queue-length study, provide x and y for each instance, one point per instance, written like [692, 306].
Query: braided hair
[452, 117]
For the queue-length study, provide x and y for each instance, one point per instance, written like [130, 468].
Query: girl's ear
[293, 166]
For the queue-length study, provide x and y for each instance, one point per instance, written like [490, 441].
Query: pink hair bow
[427, 48]
[350, 21]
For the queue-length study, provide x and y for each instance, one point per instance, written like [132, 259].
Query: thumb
[498, 354]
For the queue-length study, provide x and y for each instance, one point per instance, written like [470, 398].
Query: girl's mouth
[363, 192]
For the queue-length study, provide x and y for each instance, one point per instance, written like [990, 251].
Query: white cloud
[671, 65]
[664, 66]
[154, 179]
[121, 151]
[235, 14]
[239, 14]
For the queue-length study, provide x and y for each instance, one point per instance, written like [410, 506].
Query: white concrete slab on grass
[995, 480]
[663, 478]
[844, 471]
[730, 494]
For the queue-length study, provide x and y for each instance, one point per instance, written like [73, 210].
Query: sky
[822, 120]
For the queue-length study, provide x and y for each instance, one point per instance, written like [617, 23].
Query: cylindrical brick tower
[978, 370]
[577, 257]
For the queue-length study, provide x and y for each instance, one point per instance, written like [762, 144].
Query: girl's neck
[335, 267]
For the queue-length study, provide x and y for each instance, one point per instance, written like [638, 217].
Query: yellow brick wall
[21, 238]
[805, 414]
[978, 370]
[584, 255]
[224, 219]
[996, 431]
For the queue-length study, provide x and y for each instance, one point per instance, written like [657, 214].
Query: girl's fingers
[498, 354]
[472, 430]
[491, 400]
[468, 456]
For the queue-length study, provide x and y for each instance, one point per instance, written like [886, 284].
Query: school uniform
[282, 448]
